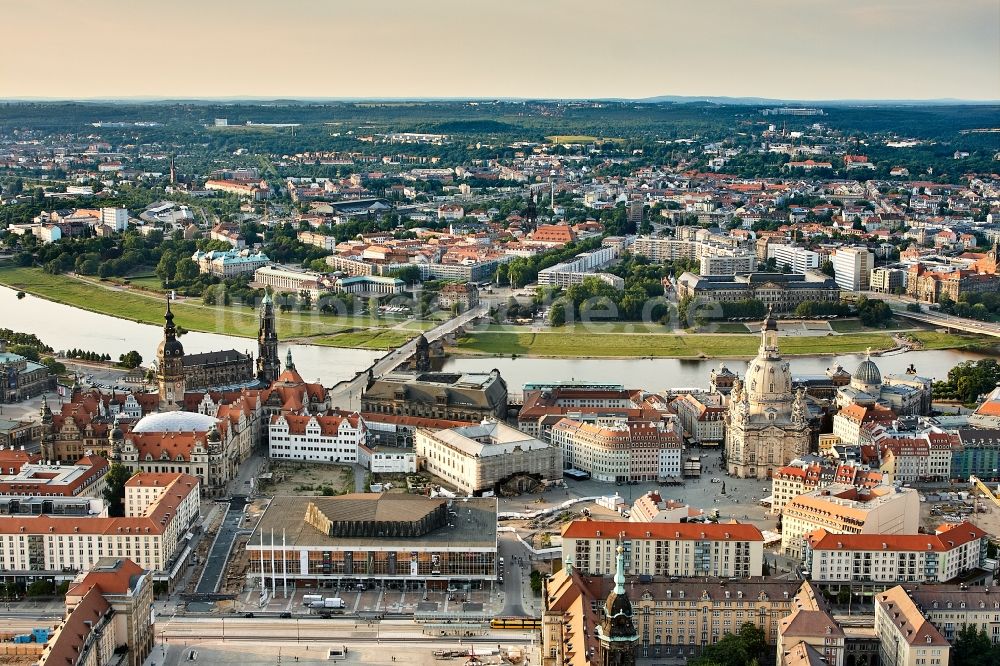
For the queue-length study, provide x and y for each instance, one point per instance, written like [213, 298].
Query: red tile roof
[611, 529]
[955, 536]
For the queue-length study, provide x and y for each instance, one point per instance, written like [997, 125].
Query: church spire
[620, 571]
[288, 360]
[168, 317]
[268, 362]
[769, 334]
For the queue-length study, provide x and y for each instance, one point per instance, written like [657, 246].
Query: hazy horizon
[821, 50]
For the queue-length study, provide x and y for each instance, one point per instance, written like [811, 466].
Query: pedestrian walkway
[218, 556]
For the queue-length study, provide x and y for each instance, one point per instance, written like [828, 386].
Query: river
[661, 373]
[64, 327]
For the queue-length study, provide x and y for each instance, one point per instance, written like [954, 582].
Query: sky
[788, 49]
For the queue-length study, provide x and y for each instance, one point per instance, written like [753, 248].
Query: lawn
[367, 339]
[571, 138]
[666, 345]
[192, 314]
[847, 325]
[420, 325]
[581, 138]
[939, 340]
[150, 282]
[730, 327]
[855, 326]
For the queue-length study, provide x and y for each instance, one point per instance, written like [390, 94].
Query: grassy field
[847, 325]
[150, 282]
[367, 339]
[855, 326]
[731, 327]
[939, 340]
[682, 346]
[571, 138]
[192, 315]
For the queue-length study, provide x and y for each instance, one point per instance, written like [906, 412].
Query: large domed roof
[175, 422]
[768, 380]
[867, 373]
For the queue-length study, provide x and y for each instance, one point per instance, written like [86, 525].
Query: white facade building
[335, 437]
[843, 509]
[853, 268]
[895, 558]
[159, 509]
[664, 549]
[798, 259]
[116, 218]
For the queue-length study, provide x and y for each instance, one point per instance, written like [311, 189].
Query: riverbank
[667, 345]
[147, 308]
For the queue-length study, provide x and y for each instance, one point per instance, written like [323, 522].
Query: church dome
[768, 379]
[175, 422]
[867, 373]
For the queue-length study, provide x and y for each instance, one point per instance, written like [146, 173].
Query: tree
[408, 274]
[557, 314]
[827, 268]
[114, 490]
[186, 270]
[748, 646]
[166, 267]
[130, 360]
[973, 647]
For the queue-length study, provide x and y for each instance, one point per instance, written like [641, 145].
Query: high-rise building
[268, 364]
[116, 218]
[635, 210]
[798, 259]
[852, 268]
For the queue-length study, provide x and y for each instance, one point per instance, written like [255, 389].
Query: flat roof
[475, 526]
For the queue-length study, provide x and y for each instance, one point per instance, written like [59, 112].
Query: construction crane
[984, 489]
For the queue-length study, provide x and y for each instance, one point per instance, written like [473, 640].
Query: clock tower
[170, 365]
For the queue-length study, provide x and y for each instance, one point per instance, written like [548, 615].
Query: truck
[333, 602]
[308, 599]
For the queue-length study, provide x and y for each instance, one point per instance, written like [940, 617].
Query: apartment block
[159, 509]
[615, 449]
[906, 637]
[844, 509]
[866, 560]
[109, 613]
[798, 259]
[664, 549]
[853, 267]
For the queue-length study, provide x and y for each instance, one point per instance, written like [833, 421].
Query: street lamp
[223, 630]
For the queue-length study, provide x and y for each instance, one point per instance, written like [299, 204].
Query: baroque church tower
[268, 364]
[170, 365]
[616, 634]
[767, 425]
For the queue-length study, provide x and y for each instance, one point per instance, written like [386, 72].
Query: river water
[64, 327]
[659, 374]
